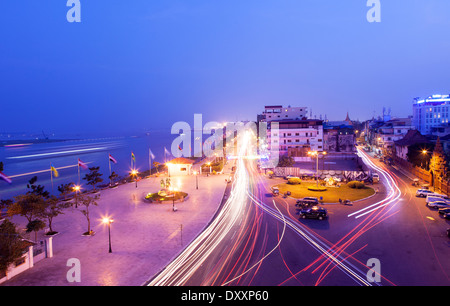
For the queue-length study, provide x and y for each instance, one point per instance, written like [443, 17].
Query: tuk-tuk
[275, 191]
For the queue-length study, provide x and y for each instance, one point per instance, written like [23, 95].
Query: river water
[23, 161]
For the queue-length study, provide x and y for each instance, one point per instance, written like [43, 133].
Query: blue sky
[131, 66]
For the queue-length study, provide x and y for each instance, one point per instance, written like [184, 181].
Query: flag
[5, 177]
[55, 172]
[112, 159]
[132, 156]
[166, 151]
[151, 154]
[179, 148]
[82, 165]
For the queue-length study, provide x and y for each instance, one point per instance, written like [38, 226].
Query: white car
[423, 192]
[375, 178]
[438, 204]
[433, 197]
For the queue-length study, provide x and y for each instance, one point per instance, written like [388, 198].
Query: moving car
[275, 191]
[423, 192]
[315, 212]
[375, 178]
[438, 204]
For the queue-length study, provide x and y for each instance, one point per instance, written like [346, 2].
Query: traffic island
[329, 194]
[166, 197]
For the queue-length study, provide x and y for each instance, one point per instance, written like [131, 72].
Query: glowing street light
[76, 189]
[108, 221]
[316, 154]
[134, 173]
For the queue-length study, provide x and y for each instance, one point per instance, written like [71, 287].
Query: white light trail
[394, 191]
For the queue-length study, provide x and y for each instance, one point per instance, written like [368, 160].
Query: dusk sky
[132, 66]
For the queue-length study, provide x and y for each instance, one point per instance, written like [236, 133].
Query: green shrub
[294, 181]
[356, 184]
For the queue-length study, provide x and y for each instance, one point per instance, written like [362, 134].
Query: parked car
[290, 176]
[315, 212]
[438, 195]
[423, 192]
[438, 204]
[434, 198]
[444, 210]
[447, 216]
[307, 202]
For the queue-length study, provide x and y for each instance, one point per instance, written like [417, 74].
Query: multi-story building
[296, 137]
[391, 131]
[430, 113]
[278, 112]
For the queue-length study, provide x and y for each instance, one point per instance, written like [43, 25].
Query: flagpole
[109, 162]
[51, 176]
[78, 166]
[150, 161]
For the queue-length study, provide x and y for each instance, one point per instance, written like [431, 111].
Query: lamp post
[173, 198]
[316, 154]
[134, 173]
[196, 179]
[209, 164]
[108, 221]
[76, 188]
[424, 162]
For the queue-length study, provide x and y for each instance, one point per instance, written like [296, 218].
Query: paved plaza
[145, 237]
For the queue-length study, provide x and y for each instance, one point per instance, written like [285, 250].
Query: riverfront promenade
[145, 237]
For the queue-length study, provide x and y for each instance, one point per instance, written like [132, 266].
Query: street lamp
[196, 179]
[134, 172]
[316, 154]
[173, 198]
[108, 221]
[76, 188]
[424, 162]
[209, 164]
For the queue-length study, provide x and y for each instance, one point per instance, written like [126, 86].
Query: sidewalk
[144, 237]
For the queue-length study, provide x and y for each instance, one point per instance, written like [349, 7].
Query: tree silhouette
[93, 177]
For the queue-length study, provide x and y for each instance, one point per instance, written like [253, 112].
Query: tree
[36, 189]
[93, 177]
[112, 178]
[65, 189]
[87, 201]
[29, 205]
[53, 208]
[5, 203]
[156, 164]
[11, 247]
[35, 226]
[286, 161]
